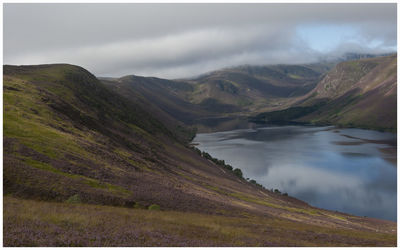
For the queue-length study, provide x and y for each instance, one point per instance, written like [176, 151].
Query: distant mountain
[253, 87]
[222, 99]
[359, 93]
[349, 56]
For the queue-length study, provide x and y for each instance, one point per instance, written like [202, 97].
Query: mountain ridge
[360, 93]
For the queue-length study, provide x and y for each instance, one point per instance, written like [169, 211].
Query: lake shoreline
[226, 123]
[349, 142]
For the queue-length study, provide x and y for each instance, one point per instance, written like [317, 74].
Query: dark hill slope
[67, 138]
[163, 97]
[168, 101]
[222, 99]
[252, 88]
[360, 93]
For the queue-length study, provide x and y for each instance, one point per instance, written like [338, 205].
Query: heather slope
[73, 225]
[66, 134]
[360, 93]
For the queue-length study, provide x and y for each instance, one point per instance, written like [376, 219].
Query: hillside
[85, 166]
[360, 93]
[320, 93]
[166, 96]
[220, 100]
[169, 101]
[250, 88]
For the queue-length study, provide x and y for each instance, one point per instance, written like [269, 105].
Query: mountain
[170, 101]
[320, 93]
[167, 95]
[360, 93]
[86, 166]
[160, 97]
[250, 88]
[220, 100]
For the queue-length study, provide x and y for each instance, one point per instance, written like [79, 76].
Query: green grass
[74, 199]
[294, 76]
[264, 202]
[154, 207]
[123, 152]
[33, 123]
[113, 188]
[36, 130]
[89, 181]
[244, 102]
[258, 201]
[63, 224]
[127, 156]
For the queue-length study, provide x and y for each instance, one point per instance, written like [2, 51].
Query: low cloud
[185, 50]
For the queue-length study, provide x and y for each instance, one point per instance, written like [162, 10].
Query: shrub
[197, 151]
[74, 199]
[277, 191]
[206, 155]
[229, 167]
[139, 205]
[154, 207]
[259, 185]
[238, 172]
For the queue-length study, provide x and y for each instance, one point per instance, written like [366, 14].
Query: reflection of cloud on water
[298, 177]
[333, 190]
[307, 165]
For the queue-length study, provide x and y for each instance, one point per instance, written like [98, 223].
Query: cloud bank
[183, 40]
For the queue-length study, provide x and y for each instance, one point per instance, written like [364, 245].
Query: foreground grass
[37, 223]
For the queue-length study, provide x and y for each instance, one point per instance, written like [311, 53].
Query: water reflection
[349, 170]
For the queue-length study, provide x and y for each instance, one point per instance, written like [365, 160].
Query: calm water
[348, 170]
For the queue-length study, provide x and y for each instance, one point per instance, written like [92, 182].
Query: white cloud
[183, 40]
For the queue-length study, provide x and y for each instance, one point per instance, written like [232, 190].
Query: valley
[323, 94]
[80, 148]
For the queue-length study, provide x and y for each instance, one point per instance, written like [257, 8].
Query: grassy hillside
[69, 141]
[251, 88]
[366, 95]
[361, 93]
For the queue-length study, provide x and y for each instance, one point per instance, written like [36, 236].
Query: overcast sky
[183, 40]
